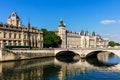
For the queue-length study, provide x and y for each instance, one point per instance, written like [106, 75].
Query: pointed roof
[86, 33]
[28, 23]
[61, 23]
[82, 33]
[93, 34]
[13, 16]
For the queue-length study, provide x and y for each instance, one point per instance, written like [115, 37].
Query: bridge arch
[94, 53]
[66, 54]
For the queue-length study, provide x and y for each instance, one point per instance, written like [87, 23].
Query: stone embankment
[8, 55]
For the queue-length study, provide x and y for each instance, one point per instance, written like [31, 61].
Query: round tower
[62, 34]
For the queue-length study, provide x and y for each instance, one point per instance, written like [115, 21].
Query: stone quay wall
[9, 55]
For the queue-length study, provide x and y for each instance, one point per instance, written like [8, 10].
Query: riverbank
[10, 55]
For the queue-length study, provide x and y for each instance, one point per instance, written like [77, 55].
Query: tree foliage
[50, 39]
[112, 44]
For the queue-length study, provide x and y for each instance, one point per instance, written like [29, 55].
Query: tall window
[15, 35]
[10, 43]
[19, 43]
[33, 40]
[15, 43]
[4, 42]
[24, 36]
[4, 34]
[19, 36]
[24, 43]
[10, 35]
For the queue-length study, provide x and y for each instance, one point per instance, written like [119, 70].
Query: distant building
[82, 39]
[13, 33]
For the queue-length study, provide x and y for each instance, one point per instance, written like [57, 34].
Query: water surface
[105, 67]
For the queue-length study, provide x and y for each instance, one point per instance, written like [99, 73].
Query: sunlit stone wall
[8, 55]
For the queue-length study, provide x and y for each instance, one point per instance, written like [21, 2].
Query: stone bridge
[86, 52]
[6, 55]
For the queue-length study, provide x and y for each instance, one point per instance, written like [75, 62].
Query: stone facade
[79, 39]
[13, 33]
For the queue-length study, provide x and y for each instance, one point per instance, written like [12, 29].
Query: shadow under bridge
[66, 54]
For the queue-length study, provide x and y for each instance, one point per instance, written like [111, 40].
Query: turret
[62, 34]
[82, 33]
[61, 23]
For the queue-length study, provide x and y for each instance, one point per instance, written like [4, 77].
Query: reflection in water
[55, 69]
[69, 59]
[104, 59]
[108, 58]
[25, 70]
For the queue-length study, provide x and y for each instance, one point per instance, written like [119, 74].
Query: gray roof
[61, 23]
[13, 15]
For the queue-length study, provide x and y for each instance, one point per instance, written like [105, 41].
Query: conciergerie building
[13, 33]
[82, 39]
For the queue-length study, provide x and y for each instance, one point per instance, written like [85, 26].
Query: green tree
[50, 39]
[112, 44]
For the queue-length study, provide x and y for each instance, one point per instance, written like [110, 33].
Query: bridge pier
[82, 56]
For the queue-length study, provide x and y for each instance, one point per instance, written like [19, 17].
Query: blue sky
[101, 16]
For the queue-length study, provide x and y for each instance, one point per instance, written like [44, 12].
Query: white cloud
[108, 21]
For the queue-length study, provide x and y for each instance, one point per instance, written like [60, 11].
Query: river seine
[104, 67]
